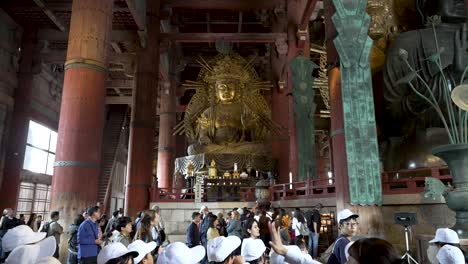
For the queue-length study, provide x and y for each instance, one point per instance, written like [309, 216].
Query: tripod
[407, 255]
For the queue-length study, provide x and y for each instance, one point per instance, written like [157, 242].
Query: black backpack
[45, 228]
[73, 241]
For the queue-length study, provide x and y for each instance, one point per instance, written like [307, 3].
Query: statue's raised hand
[460, 60]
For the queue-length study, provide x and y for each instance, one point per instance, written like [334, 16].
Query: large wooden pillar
[78, 156]
[167, 146]
[279, 100]
[18, 133]
[338, 147]
[141, 145]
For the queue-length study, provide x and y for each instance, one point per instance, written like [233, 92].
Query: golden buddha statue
[227, 114]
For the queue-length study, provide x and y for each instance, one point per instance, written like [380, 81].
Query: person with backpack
[314, 224]
[53, 228]
[347, 225]
[299, 225]
[73, 240]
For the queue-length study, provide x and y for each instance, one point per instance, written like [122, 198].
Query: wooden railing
[409, 181]
[302, 190]
[412, 180]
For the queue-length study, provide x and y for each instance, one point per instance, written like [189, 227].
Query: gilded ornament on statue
[227, 114]
[212, 172]
[190, 170]
[227, 175]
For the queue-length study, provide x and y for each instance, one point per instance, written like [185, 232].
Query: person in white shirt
[291, 254]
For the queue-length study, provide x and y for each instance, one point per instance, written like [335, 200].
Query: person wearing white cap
[450, 255]
[116, 253]
[347, 226]
[444, 236]
[23, 235]
[286, 254]
[221, 250]
[179, 253]
[144, 250]
[29, 254]
[252, 247]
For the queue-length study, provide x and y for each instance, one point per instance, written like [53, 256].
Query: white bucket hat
[446, 235]
[221, 247]
[30, 254]
[346, 213]
[179, 253]
[112, 251]
[19, 236]
[252, 249]
[450, 255]
[142, 248]
[47, 260]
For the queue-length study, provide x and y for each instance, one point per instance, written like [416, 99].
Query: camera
[405, 218]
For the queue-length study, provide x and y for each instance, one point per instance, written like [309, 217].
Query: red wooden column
[78, 156]
[167, 147]
[141, 145]
[19, 128]
[279, 99]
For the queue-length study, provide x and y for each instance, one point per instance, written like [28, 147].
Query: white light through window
[330, 176]
[40, 149]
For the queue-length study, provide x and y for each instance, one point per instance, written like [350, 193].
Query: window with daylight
[40, 149]
[33, 198]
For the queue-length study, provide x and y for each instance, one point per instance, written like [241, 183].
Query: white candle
[290, 180]
[235, 166]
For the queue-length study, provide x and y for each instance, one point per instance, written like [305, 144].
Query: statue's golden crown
[228, 68]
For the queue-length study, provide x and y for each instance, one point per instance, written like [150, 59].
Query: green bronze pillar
[304, 109]
[353, 46]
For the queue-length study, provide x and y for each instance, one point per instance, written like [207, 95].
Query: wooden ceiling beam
[50, 14]
[228, 37]
[243, 5]
[309, 9]
[119, 84]
[138, 10]
[121, 100]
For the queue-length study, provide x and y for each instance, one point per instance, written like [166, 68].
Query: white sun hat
[252, 249]
[19, 236]
[112, 251]
[47, 260]
[142, 248]
[179, 253]
[221, 247]
[450, 255]
[29, 254]
[344, 214]
[446, 235]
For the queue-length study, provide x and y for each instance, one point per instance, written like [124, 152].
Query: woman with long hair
[234, 227]
[32, 222]
[147, 230]
[212, 230]
[252, 247]
[299, 225]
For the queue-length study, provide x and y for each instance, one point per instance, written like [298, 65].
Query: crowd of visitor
[242, 236]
